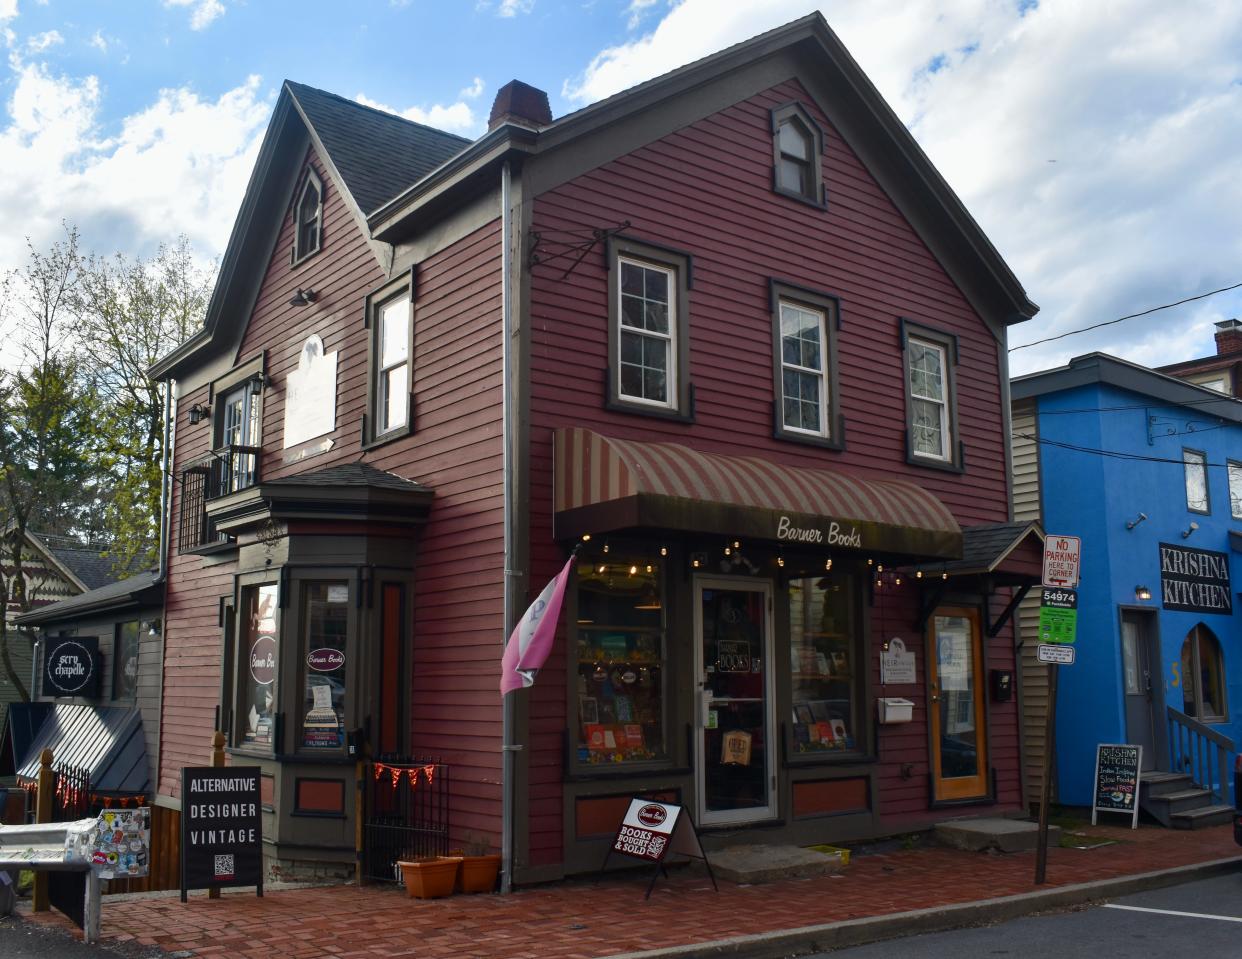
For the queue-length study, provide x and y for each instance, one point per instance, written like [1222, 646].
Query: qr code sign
[224, 867]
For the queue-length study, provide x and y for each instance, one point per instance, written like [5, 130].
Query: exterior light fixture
[605, 547]
[698, 560]
[154, 627]
[303, 297]
[1189, 529]
[257, 382]
[663, 550]
[918, 574]
[586, 537]
[198, 413]
[897, 581]
[780, 561]
[1134, 522]
[828, 564]
[1142, 593]
[633, 570]
[737, 545]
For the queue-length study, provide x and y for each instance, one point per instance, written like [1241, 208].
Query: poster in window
[735, 747]
[953, 658]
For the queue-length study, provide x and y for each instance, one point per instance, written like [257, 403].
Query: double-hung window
[648, 329]
[931, 414]
[391, 319]
[1194, 463]
[239, 439]
[1235, 489]
[308, 218]
[797, 151]
[804, 345]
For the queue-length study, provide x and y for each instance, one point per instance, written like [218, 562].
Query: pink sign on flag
[531, 640]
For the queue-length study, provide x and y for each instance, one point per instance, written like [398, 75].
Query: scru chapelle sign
[221, 830]
[1195, 580]
[71, 667]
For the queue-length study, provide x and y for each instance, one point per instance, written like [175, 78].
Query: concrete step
[1007, 835]
[1184, 800]
[1203, 817]
[1158, 783]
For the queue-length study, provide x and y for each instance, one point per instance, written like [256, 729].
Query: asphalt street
[1200, 918]
[28, 940]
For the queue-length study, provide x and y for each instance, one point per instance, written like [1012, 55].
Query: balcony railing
[1201, 751]
[229, 469]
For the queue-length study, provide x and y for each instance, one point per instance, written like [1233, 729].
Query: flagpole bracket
[512, 748]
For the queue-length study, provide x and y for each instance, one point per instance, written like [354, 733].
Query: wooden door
[957, 705]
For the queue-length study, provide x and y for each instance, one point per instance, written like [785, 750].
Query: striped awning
[604, 484]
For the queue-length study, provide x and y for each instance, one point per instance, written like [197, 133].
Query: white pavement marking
[1173, 912]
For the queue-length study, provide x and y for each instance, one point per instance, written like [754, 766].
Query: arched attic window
[797, 153]
[308, 218]
[1203, 676]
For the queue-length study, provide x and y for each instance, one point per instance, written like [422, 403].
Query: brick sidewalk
[583, 920]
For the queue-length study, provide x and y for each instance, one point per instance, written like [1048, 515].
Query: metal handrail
[1190, 751]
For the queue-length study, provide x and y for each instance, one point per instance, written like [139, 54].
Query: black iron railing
[405, 814]
[229, 469]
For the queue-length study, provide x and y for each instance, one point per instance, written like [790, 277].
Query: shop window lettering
[787, 532]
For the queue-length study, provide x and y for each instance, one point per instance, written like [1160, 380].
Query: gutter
[166, 478]
[508, 747]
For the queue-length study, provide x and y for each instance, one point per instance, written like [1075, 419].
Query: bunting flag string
[411, 773]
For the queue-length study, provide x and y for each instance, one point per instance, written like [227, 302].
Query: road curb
[856, 932]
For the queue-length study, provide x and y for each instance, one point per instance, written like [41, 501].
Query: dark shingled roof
[349, 474]
[377, 154]
[983, 547]
[125, 592]
[94, 568]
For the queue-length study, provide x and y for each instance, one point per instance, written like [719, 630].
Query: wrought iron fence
[71, 793]
[405, 814]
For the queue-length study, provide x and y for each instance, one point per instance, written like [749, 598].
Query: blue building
[1147, 470]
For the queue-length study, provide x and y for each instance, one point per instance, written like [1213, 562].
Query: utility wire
[1224, 397]
[1154, 309]
[1116, 454]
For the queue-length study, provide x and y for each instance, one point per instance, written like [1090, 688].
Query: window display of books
[620, 701]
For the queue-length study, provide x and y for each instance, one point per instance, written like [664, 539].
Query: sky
[1098, 144]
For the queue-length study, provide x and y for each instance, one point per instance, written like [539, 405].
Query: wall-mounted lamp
[1142, 593]
[257, 382]
[303, 297]
[198, 413]
[1190, 529]
[154, 627]
[1134, 522]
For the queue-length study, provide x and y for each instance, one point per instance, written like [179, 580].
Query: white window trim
[312, 182]
[381, 382]
[670, 382]
[1234, 470]
[946, 431]
[1201, 462]
[822, 373]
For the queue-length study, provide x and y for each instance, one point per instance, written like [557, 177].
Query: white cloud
[202, 12]
[455, 117]
[41, 42]
[511, 8]
[8, 10]
[98, 41]
[474, 91]
[637, 10]
[1096, 144]
[178, 165]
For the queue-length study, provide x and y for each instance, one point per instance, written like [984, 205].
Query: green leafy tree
[133, 311]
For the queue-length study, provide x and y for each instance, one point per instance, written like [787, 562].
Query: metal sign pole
[1045, 786]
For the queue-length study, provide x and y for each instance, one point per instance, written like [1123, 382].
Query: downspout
[509, 748]
[165, 480]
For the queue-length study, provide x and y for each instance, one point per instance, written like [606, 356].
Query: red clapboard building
[730, 337]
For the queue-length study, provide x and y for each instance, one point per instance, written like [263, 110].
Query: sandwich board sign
[1061, 561]
[651, 830]
[1116, 786]
[221, 828]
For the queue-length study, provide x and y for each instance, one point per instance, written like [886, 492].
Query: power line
[1117, 454]
[1224, 397]
[1154, 309]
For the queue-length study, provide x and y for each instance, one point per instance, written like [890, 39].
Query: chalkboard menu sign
[1117, 769]
[221, 832]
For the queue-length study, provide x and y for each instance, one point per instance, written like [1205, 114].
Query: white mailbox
[895, 709]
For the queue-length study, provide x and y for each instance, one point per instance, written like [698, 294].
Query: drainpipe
[165, 479]
[509, 748]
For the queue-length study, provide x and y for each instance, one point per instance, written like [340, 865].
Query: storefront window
[1203, 686]
[823, 660]
[256, 701]
[125, 661]
[325, 626]
[620, 681]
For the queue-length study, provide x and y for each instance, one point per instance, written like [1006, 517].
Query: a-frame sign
[650, 831]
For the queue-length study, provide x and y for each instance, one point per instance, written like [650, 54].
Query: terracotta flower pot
[478, 873]
[430, 878]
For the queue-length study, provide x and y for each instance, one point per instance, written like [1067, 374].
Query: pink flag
[531, 640]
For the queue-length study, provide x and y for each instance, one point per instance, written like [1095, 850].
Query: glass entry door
[956, 707]
[734, 758]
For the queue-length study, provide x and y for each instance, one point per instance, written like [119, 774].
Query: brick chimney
[520, 103]
[1228, 337]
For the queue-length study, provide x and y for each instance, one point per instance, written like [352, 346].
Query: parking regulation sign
[1058, 616]
[1061, 555]
[1061, 655]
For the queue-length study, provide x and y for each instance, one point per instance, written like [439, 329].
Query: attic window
[797, 152]
[308, 218]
